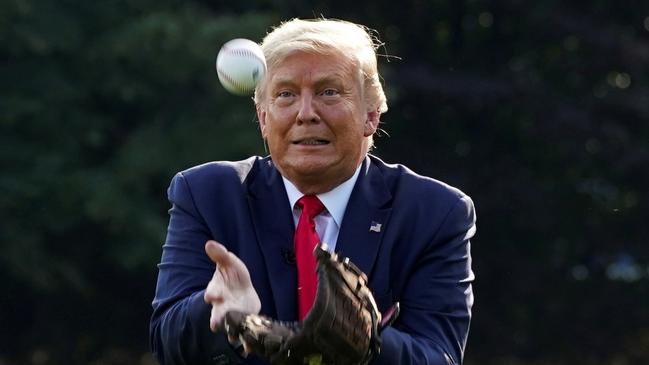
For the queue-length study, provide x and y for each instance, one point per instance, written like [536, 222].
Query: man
[318, 108]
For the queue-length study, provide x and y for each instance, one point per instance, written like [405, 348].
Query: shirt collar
[335, 201]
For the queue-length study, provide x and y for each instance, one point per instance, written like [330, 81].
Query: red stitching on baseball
[230, 80]
[242, 52]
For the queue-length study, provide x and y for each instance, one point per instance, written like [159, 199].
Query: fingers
[231, 287]
[214, 293]
[216, 317]
[214, 296]
[229, 264]
[218, 253]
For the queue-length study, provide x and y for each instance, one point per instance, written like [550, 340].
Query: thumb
[218, 253]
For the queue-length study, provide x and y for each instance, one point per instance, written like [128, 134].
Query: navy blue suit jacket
[420, 257]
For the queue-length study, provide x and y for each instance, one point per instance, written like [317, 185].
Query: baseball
[240, 64]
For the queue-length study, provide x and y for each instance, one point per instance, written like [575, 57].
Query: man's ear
[372, 122]
[261, 116]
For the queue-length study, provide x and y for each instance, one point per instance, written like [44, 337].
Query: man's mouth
[311, 141]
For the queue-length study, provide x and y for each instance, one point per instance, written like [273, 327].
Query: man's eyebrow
[283, 81]
[330, 79]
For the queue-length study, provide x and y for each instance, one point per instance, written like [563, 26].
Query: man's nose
[308, 111]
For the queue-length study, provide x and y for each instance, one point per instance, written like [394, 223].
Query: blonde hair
[324, 36]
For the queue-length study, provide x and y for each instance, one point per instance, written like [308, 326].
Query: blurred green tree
[101, 104]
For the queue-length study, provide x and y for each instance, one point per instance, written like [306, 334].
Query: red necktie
[306, 239]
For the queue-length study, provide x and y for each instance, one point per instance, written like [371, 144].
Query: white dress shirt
[327, 223]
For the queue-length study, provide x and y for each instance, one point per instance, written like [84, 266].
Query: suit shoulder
[221, 170]
[222, 181]
[411, 185]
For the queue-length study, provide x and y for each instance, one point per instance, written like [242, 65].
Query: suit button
[221, 360]
[289, 257]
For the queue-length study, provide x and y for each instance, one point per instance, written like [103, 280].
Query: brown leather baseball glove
[342, 327]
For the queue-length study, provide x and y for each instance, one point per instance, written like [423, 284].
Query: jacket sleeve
[437, 298]
[179, 328]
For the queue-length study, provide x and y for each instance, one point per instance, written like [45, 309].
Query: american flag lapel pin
[375, 227]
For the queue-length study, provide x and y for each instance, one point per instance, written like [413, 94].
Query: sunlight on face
[315, 119]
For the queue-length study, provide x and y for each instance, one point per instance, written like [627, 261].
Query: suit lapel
[365, 218]
[273, 224]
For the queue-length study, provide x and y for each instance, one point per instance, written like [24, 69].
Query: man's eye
[284, 94]
[330, 92]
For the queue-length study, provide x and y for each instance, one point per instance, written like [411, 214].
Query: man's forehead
[313, 75]
[313, 67]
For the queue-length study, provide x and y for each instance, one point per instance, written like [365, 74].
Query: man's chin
[311, 171]
[308, 171]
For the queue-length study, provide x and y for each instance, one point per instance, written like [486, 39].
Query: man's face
[315, 120]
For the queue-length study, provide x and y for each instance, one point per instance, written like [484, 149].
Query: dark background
[537, 109]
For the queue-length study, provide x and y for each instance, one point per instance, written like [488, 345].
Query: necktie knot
[311, 205]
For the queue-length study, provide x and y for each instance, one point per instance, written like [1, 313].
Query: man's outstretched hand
[230, 288]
